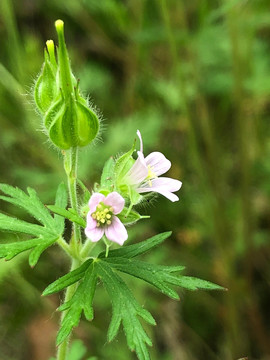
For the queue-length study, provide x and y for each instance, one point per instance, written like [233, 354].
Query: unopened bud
[71, 124]
[46, 87]
[68, 119]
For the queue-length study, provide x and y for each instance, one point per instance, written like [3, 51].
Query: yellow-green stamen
[103, 214]
[151, 175]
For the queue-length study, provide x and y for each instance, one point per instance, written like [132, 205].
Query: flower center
[151, 175]
[103, 214]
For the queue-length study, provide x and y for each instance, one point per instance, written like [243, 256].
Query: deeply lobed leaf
[31, 203]
[80, 302]
[125, 309]
[68, 214]
[68, 279]
[142, 247]
[155, 275]
[12, 224]
[45, 234]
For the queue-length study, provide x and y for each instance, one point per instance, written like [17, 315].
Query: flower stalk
[71, 167]
[62, 350]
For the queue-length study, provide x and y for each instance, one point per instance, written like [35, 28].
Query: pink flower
[102, 219]
[144, 174]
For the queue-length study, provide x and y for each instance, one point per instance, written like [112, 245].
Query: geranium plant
[99, 214]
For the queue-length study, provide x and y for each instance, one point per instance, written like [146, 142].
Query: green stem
[108, 245]
[88, 245]
[63, 347]
[64, 245]
[70, 165]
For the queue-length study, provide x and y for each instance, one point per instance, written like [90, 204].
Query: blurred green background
[194, 77]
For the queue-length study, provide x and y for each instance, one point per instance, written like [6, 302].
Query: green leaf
[125, 310]
[139, 248]
[71, 320]
[123, 164]
[15, 225]
[68, 279]
[86, 192]
[45, 234]
[81, 301]
[61, 201]
[68, 214]
[157, 275]
[8, 251]
[192, 283]
[134, 196]
[31, 203]
[38, 250]
[77, 350]
[132, 217]
[107, 177]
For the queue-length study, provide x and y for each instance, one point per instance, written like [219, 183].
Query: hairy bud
[67, 118]
[46, 88]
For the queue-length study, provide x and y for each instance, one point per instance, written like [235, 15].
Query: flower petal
[161, 183]
[116, 201]
[141, 142]
[164, 186]
[90, 222]
[116, 232]
[95, 199]
[169, 195]
[139, 170]
[158, 163]
[94, 234]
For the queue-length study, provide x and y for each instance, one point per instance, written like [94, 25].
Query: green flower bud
[71, 123]
[68, 120]
[46, 87]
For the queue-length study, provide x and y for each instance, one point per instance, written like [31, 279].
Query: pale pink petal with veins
[116, 201]
[116, 232]
[94, 234]
[96, 227]
[158, 163]
[139, 170]
[95, 199]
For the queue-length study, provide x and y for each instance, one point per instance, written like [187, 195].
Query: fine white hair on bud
[68, 120]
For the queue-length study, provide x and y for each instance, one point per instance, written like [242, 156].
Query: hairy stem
[64, 245]
[87, 247]
[71, 164]
[63, 347]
